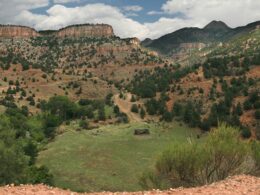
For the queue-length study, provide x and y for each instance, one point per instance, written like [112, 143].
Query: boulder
[141, 132]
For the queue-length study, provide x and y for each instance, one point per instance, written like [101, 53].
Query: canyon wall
[10, 31]
[84, 30]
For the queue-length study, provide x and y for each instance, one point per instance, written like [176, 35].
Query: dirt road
[125, 106]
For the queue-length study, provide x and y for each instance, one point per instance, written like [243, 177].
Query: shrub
[189, 164]
[133, 99]
[142, 113]
[84, 124]
[246, 133]
[134, 108]
[256, 155]
[257, 114]
[44, 76]
[101, 114]
[40, 175]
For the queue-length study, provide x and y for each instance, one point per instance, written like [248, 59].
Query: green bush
[142, 113]
[38, 175]
[246, 133]
[134, 108]
[84, 124]
[256, 155]
[189, 164]
[257, 114]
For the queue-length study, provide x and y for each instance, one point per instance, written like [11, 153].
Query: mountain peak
[216, 25]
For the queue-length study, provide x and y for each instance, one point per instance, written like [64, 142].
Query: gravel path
[237, 185]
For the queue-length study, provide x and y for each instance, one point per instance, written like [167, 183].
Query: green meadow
[110, 158]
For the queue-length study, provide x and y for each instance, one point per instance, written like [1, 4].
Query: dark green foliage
[116, 109]
[246, 133]
[188, 112]
[147, 83]
[31, 150]
[191, 115]
[247, 105]
[154, 107]
[134, 108]
[238, 110]
[50, 123]
[142, 113]
[177, 109]
[62, 107]
[122, 118]
[257, 114]
[13, 160]
[38, 175]
[108, 99]
[133, 98]
[84, 124]
[167, 116]
[190, 164]
[256, 156]
[18, 150]
[101, 113]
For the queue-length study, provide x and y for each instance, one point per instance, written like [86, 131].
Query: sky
[129, 18]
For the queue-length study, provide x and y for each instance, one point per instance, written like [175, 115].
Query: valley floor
[236, 185]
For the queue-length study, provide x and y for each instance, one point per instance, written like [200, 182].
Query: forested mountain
[216, 31]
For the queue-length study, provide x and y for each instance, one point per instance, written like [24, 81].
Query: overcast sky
[129, 18]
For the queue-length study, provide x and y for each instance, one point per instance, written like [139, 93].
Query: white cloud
[10, 8]
[167, 25]
[176, 14]
[233, 12]
[133, 8]
[64, 1]
[198, 13]
[155, 13]
[59, 16]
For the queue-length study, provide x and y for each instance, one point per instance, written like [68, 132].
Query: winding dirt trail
[125, 106]
[237, 185]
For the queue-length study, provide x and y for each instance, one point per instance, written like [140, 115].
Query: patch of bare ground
[236, 185]
[125, 106]
[43, 86]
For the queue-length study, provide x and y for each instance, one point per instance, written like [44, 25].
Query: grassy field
[110, 158]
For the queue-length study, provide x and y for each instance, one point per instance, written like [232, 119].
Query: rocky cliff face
[84, 30]
[99, 30]
[10, 31]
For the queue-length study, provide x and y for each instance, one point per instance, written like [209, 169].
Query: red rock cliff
[83, 30]
[86, 30]
[10, 31]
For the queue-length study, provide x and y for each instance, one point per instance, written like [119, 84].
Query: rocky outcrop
[11, 31]
[86, 30]
[192, 45]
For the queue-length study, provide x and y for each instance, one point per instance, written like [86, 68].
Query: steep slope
[224, 86]
[81, 61]
[9, 31]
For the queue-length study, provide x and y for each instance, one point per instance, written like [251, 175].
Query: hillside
[85, 110]
[80, 61]
[224, 85]
[198, 38]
